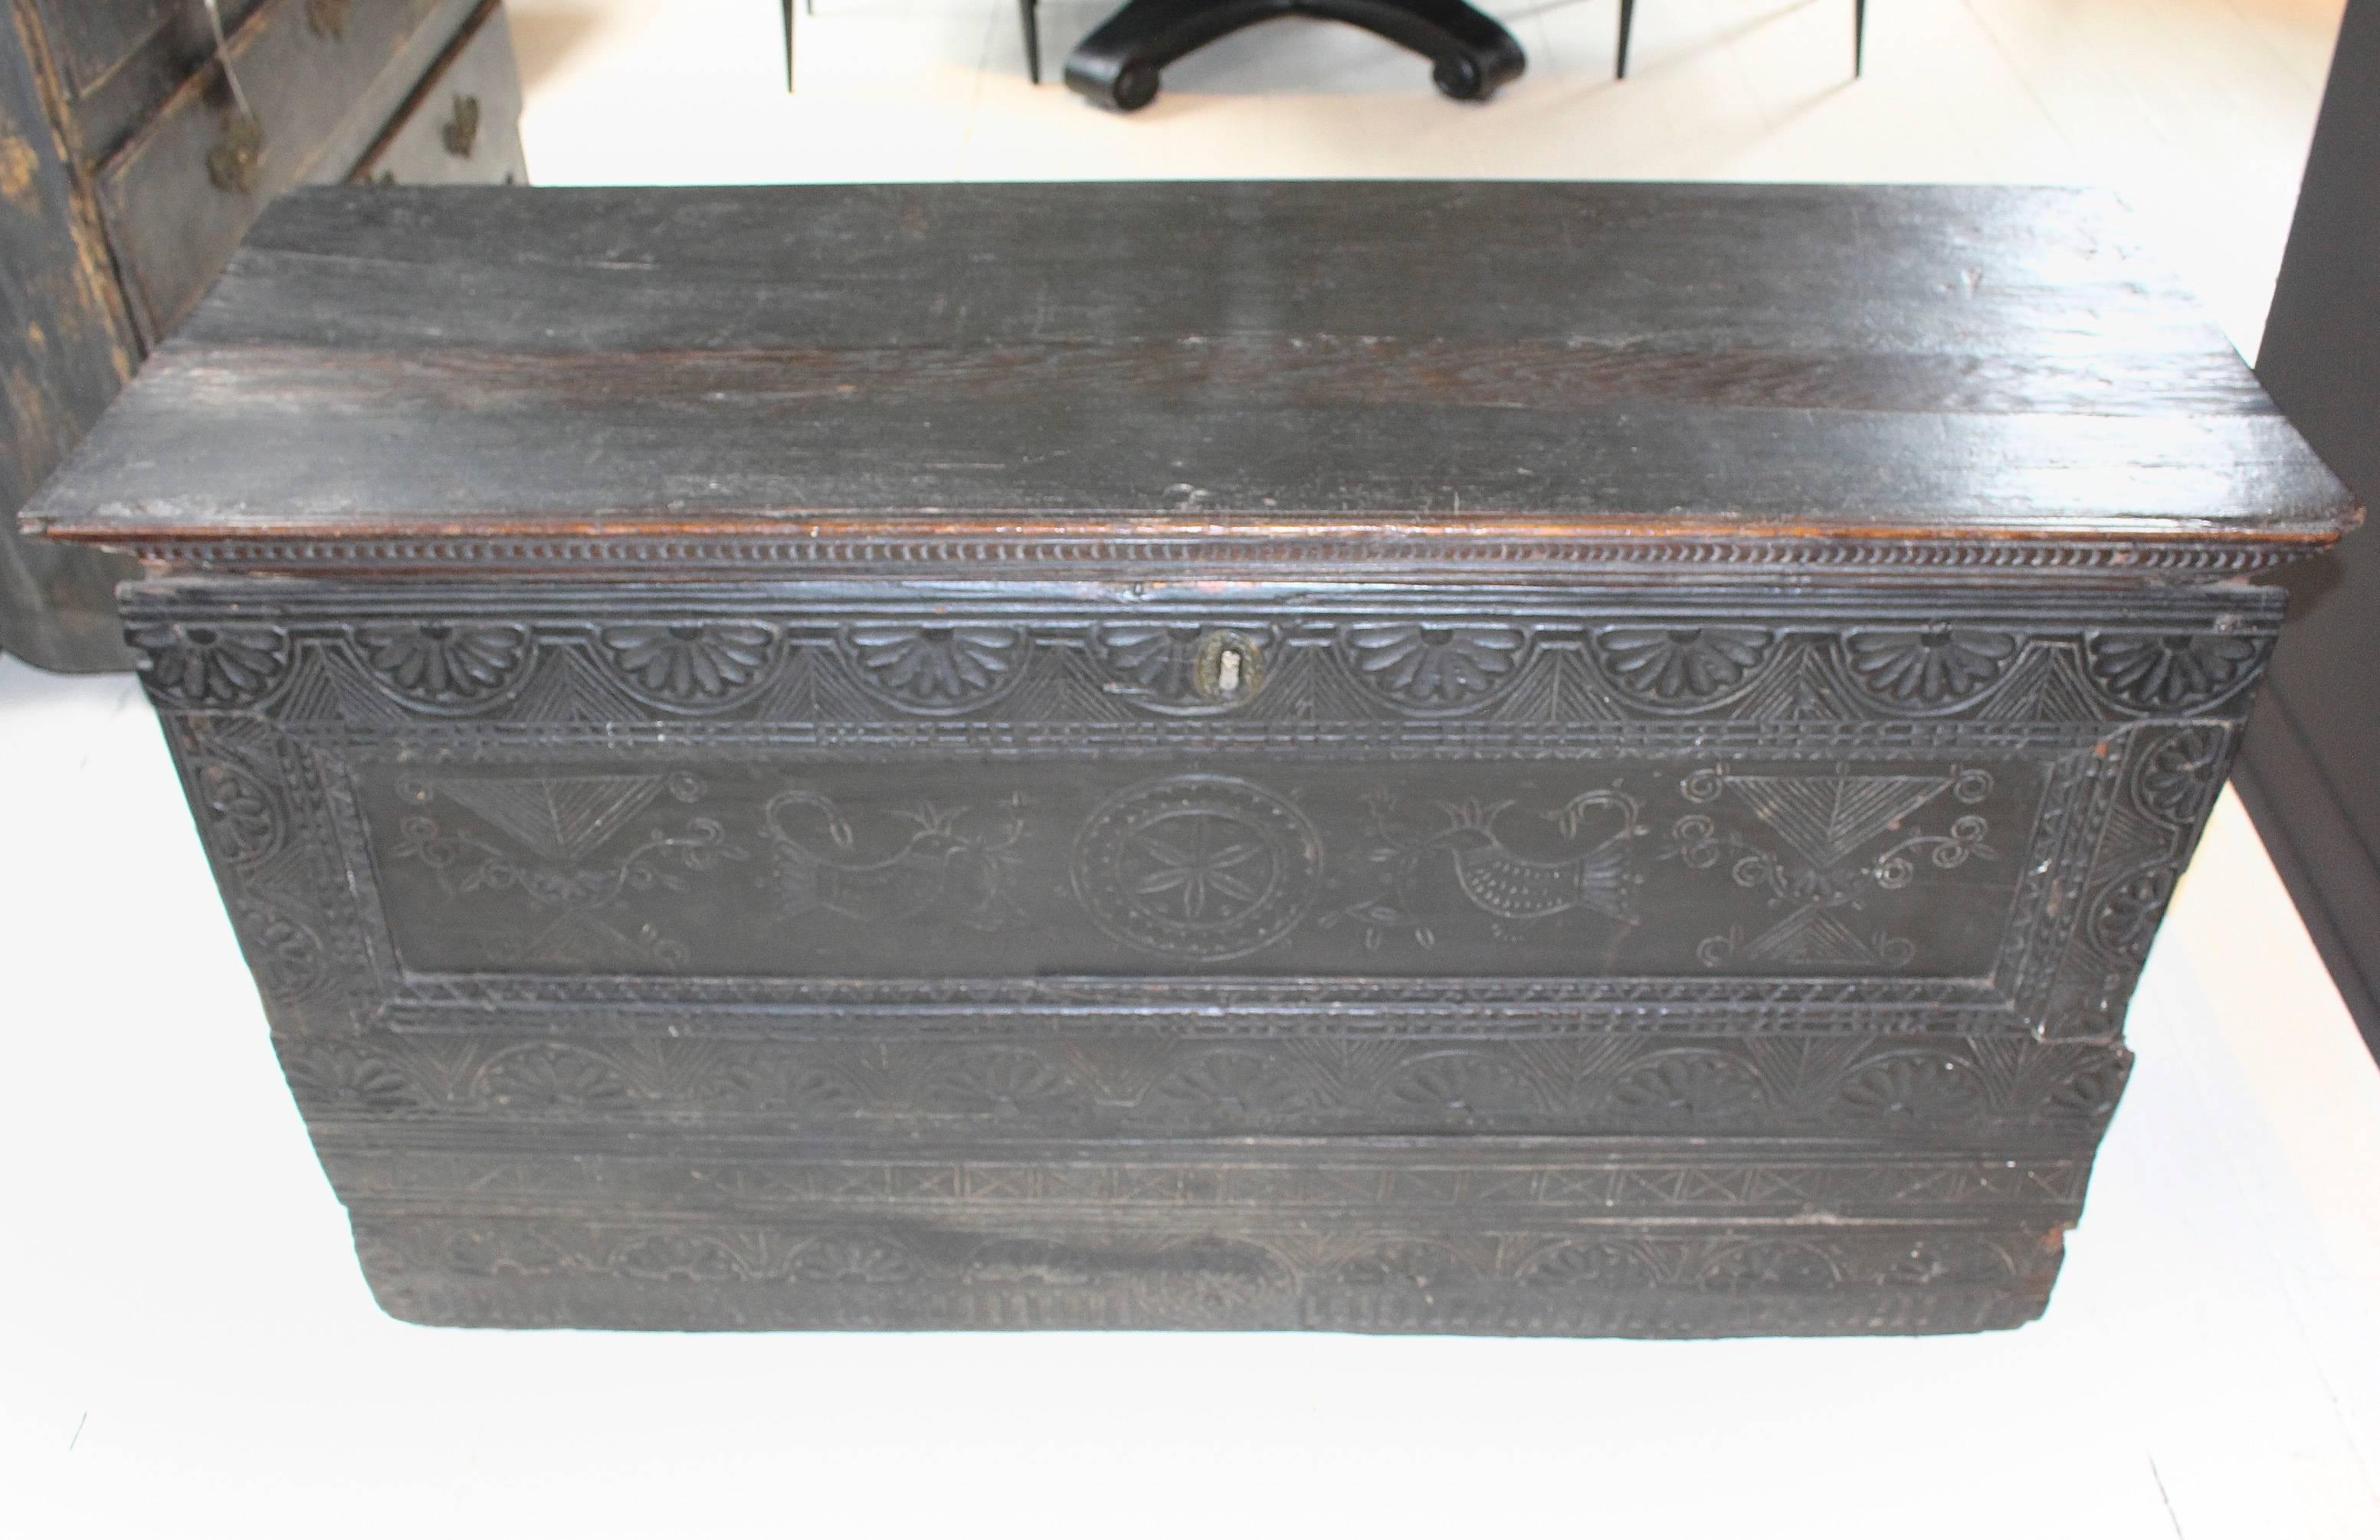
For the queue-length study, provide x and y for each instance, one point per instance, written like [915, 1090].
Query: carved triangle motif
[561, 818]
[1827, 818]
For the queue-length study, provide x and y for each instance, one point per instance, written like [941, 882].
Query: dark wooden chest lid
[1370, 372]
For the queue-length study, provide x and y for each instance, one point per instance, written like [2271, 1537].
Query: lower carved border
[1583, 1279]
[1053, 1083]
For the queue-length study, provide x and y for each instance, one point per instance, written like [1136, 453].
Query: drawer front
[122, 59]
[463, 124]
[96, 38]
[180, 194]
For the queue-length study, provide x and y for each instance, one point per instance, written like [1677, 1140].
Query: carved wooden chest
[1494, 759]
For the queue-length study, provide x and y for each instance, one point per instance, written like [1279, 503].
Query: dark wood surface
[2311, 770]
[818, 898]
[1884, 363]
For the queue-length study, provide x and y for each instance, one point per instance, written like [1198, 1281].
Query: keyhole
[1228, 667]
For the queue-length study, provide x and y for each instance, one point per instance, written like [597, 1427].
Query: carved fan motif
[1681, 665]
[2176, 775]
[1420, 1265]
[937, 667]
[1914, 1089]
[1461, 1085]
[689, 664]
[1955, 1260]
[1003, 1081]
[1433, 668]
[191, 663]
[680, 1257]
[851, 1259]
[440, 664]
[1232, 1084]
[1212, 1280]
[1783, 1266]
[525, 1252]
[2171, 672]
[540, 1076]
[336, 1079]
[1591, 1264]
[1690, 1083]
[1936, 665]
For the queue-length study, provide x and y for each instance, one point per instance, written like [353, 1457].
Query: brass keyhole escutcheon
[1230, 667]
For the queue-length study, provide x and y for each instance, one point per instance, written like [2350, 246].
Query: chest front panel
[1828, 812]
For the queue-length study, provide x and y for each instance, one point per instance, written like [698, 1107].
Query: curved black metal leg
[1118, 64]
[1029, 12]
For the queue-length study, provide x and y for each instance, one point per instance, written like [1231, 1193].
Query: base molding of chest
[688, 1231]
[1636, 1279]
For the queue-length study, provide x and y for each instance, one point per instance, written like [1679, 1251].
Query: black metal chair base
[1118, 65]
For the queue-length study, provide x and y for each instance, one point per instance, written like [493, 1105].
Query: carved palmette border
[1048, 674]
[1907, 1090]
[2150, 805]
[257, 795]
[1015, 664]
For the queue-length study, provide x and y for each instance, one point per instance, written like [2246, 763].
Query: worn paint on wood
[66, 349]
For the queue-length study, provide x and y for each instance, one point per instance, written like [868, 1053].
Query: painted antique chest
[1523, 758]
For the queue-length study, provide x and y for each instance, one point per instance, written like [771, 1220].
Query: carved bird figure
[819, 865]
[1515, 887]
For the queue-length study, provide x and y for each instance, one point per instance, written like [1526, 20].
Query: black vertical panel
[2310, 773]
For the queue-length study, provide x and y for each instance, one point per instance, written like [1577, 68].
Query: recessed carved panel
[1477, 869]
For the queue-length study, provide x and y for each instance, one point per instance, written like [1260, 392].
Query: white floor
[186, 1347]
[2198, 111]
